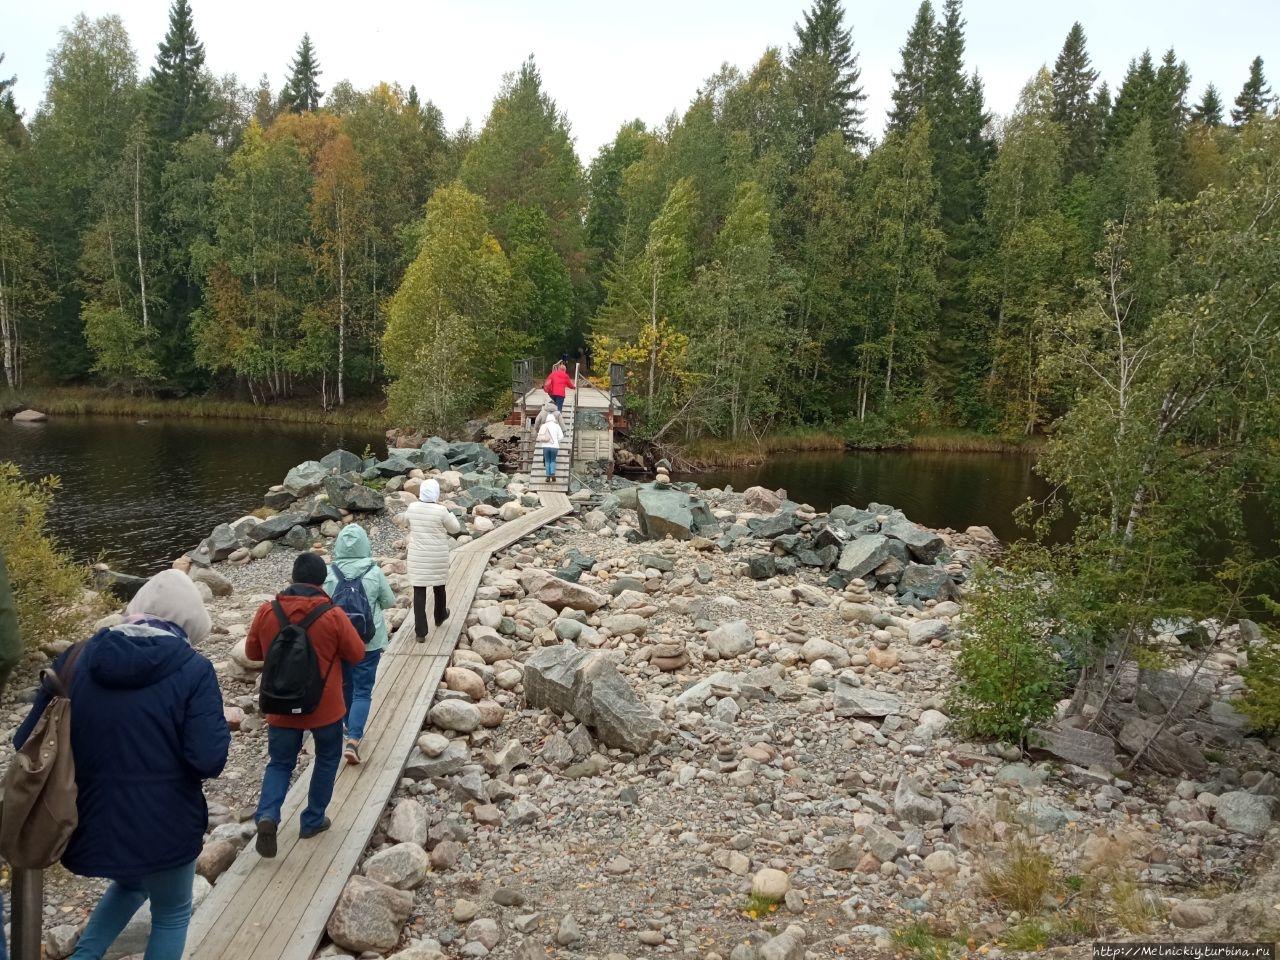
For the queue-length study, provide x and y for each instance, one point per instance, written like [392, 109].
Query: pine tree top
[1255, 99]
[302, 91]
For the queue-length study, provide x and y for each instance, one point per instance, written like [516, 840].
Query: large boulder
[403, 866]
[558, 593]
[732, 639]
[1242, 812]
[355, 497]
[778, 525]
[273, 528]
[763, 500]
[123, 585]
[1162, 752]
[396, 465]
[926, 582]
[342, 461]
[563, 678]
[221, 543]
[218, 585]
[305, 478]
[851, 701]
[665, 513]
[30, 416]
[1081, 747]
[369, 915]
[473, 454]
[493, 495]
[278, 499]
[913, 805]
[924, 545]
[859, 558]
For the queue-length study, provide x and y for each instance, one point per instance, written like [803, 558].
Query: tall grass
[81, 401]
[963, 441]
[707, 453]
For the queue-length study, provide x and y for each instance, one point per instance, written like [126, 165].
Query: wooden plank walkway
[277, 909]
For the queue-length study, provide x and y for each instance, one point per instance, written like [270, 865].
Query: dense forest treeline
[760, 260]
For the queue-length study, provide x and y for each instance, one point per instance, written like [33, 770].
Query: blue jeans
[357, 691]
[283, 746]
[559, 402]
[549, 460]
[170, 894]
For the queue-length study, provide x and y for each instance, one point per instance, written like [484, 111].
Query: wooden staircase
[531, 457]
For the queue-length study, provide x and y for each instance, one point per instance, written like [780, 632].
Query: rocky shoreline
[758, 764]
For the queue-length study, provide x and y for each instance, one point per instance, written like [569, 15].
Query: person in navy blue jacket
[147, 727]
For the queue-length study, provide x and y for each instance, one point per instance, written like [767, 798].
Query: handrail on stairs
[573, 440]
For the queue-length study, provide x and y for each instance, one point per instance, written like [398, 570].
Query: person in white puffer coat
[431, 528]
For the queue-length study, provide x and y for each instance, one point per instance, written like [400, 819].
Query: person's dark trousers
[283, 746]
[559, 402]
[420, 608]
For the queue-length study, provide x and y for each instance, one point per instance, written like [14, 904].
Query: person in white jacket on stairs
[431, 529]
[549, 436]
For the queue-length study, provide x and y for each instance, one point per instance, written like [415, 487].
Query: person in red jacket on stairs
[558, 384]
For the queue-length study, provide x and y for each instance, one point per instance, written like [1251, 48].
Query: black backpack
[291, 679]
[350, 597]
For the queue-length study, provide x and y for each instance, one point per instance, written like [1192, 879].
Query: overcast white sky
[608, 62]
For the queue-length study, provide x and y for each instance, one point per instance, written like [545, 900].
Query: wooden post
[27, 913]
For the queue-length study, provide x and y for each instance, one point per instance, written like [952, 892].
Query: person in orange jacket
[334, 639]
[558, 384]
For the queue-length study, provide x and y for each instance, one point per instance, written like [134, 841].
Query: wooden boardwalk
[277, 909]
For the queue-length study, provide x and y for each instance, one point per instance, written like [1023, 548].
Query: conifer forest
[772, 256]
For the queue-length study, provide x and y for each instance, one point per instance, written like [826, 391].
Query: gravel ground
[593, 853]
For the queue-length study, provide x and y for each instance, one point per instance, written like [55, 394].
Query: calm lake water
[139, 494]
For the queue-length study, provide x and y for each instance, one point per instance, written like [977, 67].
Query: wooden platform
[277, 909]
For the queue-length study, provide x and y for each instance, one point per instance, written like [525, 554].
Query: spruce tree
[912, 81]
[301, 91]
[1168, 115]
[178, 95]
[1255, 99]
[1209, 110]
[824, 48]
[11, 129]
[1073, 106]
[1133, 100]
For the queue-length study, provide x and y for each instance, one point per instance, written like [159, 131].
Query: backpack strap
[343, 578]
[58, 682]
[316, 613]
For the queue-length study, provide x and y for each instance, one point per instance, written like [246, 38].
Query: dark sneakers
[352, 753]
[308, 834]
[266, 842]
[441, 618]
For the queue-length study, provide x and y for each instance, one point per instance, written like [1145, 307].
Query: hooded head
[352, 544]
[549, 407]
[310, 568]
[429, 492]
[170, 595]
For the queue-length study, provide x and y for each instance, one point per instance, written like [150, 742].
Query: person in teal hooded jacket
[353, 554]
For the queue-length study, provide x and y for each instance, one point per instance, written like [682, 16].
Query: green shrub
[47, 584]
[1009, 677]
[1261, 700]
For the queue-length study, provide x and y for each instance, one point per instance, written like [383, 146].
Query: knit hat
[429, 492]
[310, 568]
[170, 595]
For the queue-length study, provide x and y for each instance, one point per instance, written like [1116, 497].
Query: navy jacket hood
[137, 655]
